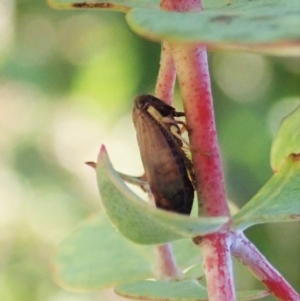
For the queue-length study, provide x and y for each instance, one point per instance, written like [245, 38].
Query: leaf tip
[102, 153]
[101, 156]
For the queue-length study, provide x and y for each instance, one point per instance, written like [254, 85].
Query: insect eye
[142, 103]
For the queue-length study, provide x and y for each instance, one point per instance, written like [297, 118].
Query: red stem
[247, 254]
[166, 76]
[165, 266]
[193, 75]
[218, 267]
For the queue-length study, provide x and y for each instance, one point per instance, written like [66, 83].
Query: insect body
[167, 168]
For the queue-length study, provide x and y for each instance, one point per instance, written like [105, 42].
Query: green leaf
[188, 290]
[187, 254]
[277, 201]
[139, 221]
[287, 140]
[252, 295]
[163, 290]
[194, 272]
[260, 25]
[95, 256]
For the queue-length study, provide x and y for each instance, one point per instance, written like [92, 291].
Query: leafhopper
[168, 170]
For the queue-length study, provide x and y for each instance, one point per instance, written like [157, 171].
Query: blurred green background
[67, 83]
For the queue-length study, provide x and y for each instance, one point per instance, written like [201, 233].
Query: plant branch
[193, 75]
[248, 254]
[217, 265]
[166, 76]
[165, 265]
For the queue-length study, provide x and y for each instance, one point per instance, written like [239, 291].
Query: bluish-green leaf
[188, 290]
[194, 272]
[260, 25]
[277, 201]
[95, 256]
[141, 222]
[287, 140]
[163, 290]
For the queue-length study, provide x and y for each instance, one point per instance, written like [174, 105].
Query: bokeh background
[67, 83]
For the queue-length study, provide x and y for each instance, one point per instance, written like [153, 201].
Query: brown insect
[167, 168]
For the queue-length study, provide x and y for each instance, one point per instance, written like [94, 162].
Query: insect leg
[174, 131]
[138, 181]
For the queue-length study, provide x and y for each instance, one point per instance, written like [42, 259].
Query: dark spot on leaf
[197, 240]
[260, 18]
[295, 216]
[295, 157]
[80, 5]
[92, 5]
[222, 19]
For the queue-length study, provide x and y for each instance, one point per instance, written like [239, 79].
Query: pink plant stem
[165, 266]
[193, 75]
[217, 266]
[166, 76]
[247, 254]
[165, 263]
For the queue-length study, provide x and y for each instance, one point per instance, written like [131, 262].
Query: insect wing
[164, 164]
